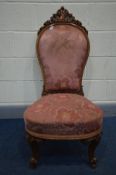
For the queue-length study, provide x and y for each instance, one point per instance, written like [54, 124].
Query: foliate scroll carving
[62, 16]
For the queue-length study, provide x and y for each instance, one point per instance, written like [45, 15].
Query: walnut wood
[82, 137]
[62, 16]
[93, 142]
[91, 150]
[73, 91]
[33, 142]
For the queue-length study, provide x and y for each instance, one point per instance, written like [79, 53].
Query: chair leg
[91, 150]
[34, 148]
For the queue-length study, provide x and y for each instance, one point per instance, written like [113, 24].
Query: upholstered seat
[63, 114]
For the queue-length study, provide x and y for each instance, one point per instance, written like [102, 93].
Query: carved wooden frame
[62, 16]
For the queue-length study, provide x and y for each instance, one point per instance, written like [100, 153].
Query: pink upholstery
[63, 51]
[63, 114]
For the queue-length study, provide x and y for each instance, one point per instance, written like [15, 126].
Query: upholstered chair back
[62, 49]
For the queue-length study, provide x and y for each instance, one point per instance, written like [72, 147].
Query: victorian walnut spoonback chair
[63, 113]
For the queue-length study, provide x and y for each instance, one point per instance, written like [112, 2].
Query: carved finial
[62, 16]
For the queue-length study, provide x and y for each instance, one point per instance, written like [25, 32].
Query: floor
[64, 158]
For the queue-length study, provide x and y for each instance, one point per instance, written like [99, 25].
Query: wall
[20, 78]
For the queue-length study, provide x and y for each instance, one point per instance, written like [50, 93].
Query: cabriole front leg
[91, 150]
[34, 148]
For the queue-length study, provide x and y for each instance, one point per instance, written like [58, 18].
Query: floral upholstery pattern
[63, 52]
[63, 113]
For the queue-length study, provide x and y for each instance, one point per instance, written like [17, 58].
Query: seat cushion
[63, 114]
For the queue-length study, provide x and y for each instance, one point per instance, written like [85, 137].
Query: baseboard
[109, 109]
[7, 112]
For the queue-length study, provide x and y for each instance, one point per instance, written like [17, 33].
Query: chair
[63, 113]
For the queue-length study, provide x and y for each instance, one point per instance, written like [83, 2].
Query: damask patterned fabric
[63, 52]
[63, 114]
